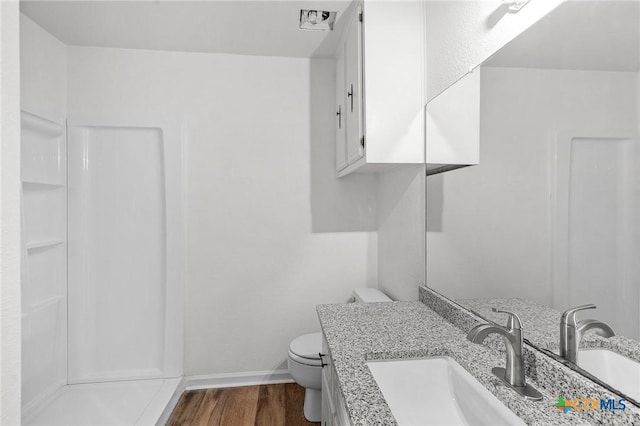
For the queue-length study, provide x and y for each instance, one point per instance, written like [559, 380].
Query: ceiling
[267, 28]
[579, 35]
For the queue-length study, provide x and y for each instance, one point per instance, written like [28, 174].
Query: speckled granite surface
[550, 376]
[360, 332]
[541, 325]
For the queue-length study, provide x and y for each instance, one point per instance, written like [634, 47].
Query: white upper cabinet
[353, 87]
[341, 112]
[453, 126]
[380, 67]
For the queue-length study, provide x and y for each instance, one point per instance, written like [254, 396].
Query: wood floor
[266, 405]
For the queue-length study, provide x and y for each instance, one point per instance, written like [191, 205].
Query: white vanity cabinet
[380, 79]
[334, 409]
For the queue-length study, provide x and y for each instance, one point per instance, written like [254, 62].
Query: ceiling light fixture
[515, 5]
[317, 20]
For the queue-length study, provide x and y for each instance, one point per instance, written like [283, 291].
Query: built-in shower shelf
[41, 184]
[44, 244]
[44, 304]
[44, 229]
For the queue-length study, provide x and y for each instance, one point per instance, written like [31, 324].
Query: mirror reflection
[550, 218]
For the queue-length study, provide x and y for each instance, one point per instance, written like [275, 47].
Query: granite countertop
[541, 325]
[357, 333]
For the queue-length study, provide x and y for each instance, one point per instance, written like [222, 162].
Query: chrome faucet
[571, 331]
[513, 375]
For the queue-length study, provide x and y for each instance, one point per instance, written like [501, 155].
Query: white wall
[43, 72]
[9, 213]
[269, 235]
[489, 231]
[462, 34]
[401, 231]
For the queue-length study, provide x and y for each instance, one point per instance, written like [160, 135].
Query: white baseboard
[250, 378]
[171, 405]
[34, 406]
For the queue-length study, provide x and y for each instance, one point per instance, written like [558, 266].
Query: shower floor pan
[139, 402]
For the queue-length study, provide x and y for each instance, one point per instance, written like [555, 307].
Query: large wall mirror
[550, 218]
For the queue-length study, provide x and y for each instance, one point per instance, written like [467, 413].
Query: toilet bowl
[305, 368]
[305, 365]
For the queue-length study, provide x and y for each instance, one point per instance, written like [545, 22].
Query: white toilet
[305, 365]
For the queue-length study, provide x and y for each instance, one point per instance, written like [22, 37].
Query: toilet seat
[311, 362]
[306, 349]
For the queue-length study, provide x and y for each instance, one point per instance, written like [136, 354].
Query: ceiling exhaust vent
[317, 20]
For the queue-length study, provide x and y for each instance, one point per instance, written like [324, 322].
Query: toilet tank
[369, 295]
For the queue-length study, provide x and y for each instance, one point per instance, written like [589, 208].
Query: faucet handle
[513, 322]
[569, 316]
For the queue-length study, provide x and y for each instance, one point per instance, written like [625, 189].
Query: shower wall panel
[44, 301]
[120, 278]
[604, 234]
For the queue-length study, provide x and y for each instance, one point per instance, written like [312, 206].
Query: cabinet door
[341, 122]
[341, 417]
[328, 413]
[353, 88]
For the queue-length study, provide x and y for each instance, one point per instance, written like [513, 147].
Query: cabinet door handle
[322, 363]
[350, 94]
[339, 114]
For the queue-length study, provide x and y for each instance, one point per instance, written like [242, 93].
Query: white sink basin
[620, 372]
[437, 391]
